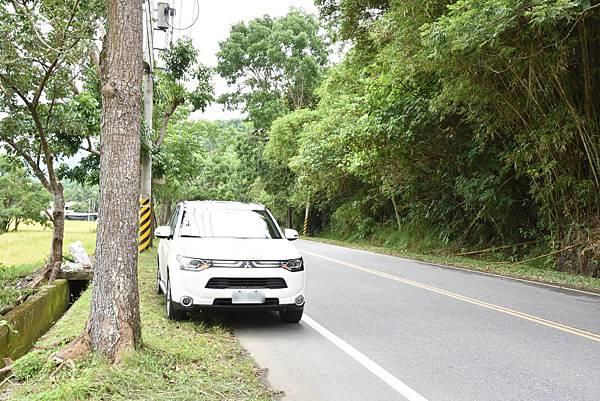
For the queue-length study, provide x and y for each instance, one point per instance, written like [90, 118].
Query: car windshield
[228, 223]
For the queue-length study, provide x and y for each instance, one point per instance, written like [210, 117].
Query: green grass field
[25, 250]
[31, 243]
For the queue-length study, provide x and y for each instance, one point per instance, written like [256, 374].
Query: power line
[196, 11]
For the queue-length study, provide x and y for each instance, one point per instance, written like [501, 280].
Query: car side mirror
[163, 232]
[290, 235]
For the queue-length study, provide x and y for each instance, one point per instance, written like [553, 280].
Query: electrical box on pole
[164, 16]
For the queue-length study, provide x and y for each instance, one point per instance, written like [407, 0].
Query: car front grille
[246, 263]
[246, 282]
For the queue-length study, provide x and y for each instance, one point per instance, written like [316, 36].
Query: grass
[24, 251]
[31, 244]
[429, 250]
[188, 360]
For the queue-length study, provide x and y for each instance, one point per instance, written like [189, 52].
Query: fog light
[299, 300]
[187, 301]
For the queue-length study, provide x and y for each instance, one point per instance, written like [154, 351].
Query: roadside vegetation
[412, 142]
[495, 261]
[466, 128]
[196, 359]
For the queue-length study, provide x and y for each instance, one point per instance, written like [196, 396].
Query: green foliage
[84, 112]
[44, 47]
[275, 65]
[22, 200]
[474, 120]
[349, 221]
[180, 58]
[172, 85]
[84, 196]
[199, 160]
[284, 135]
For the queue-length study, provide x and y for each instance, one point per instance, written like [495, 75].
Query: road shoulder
[513, 271]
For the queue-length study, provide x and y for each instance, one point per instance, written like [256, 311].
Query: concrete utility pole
[145, 231]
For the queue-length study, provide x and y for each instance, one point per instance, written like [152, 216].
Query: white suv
[216, 255]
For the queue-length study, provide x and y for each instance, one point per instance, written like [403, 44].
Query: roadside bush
[350, 222]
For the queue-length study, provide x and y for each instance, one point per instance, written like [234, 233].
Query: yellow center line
[549, 323]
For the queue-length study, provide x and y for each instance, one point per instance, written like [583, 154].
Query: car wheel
[171, 308]
[291, 315]
[158, 289]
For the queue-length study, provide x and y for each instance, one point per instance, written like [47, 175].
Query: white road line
[373, 367]
[549, 323]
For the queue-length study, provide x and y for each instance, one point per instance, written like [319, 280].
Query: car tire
[291, 315]
[171, 308]
[158, 289]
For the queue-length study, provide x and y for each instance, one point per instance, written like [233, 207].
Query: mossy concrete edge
[30, 320]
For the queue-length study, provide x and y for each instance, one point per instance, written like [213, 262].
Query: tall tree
[114, 324]
[42, 48]
[274, 65]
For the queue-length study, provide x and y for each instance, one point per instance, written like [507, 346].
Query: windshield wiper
[191, 236]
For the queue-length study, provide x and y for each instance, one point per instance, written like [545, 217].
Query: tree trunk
[288, 219]
[58, 230]
[114, 325]
[165, 213]
[396, 213]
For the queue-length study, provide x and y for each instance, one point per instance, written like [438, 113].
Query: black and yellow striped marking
[145, 236]
[305, 233]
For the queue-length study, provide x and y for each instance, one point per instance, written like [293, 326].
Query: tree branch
[21, 95]
[49, 215]
[24, 11]
[165, 121]
[37, 171]
[50, 70]
[90, 148]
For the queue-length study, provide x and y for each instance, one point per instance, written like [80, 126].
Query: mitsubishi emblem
[247, 265]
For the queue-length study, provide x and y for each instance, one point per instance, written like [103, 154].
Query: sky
[214, 19]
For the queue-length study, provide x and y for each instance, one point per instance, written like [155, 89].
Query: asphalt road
[382, 328]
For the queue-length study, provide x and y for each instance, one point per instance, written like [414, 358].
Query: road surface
[381, 328]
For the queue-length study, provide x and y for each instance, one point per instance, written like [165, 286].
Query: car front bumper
[193, 284]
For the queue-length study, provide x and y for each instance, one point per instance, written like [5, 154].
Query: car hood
[237, 249]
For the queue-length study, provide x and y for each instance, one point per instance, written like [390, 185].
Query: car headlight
[193, 264]
[293, 265]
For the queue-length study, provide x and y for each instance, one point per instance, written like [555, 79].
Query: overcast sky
[215, 18]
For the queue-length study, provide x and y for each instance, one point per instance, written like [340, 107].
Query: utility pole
[164, 15]
[145, 230]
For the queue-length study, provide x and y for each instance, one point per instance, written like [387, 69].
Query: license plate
[247, 297]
